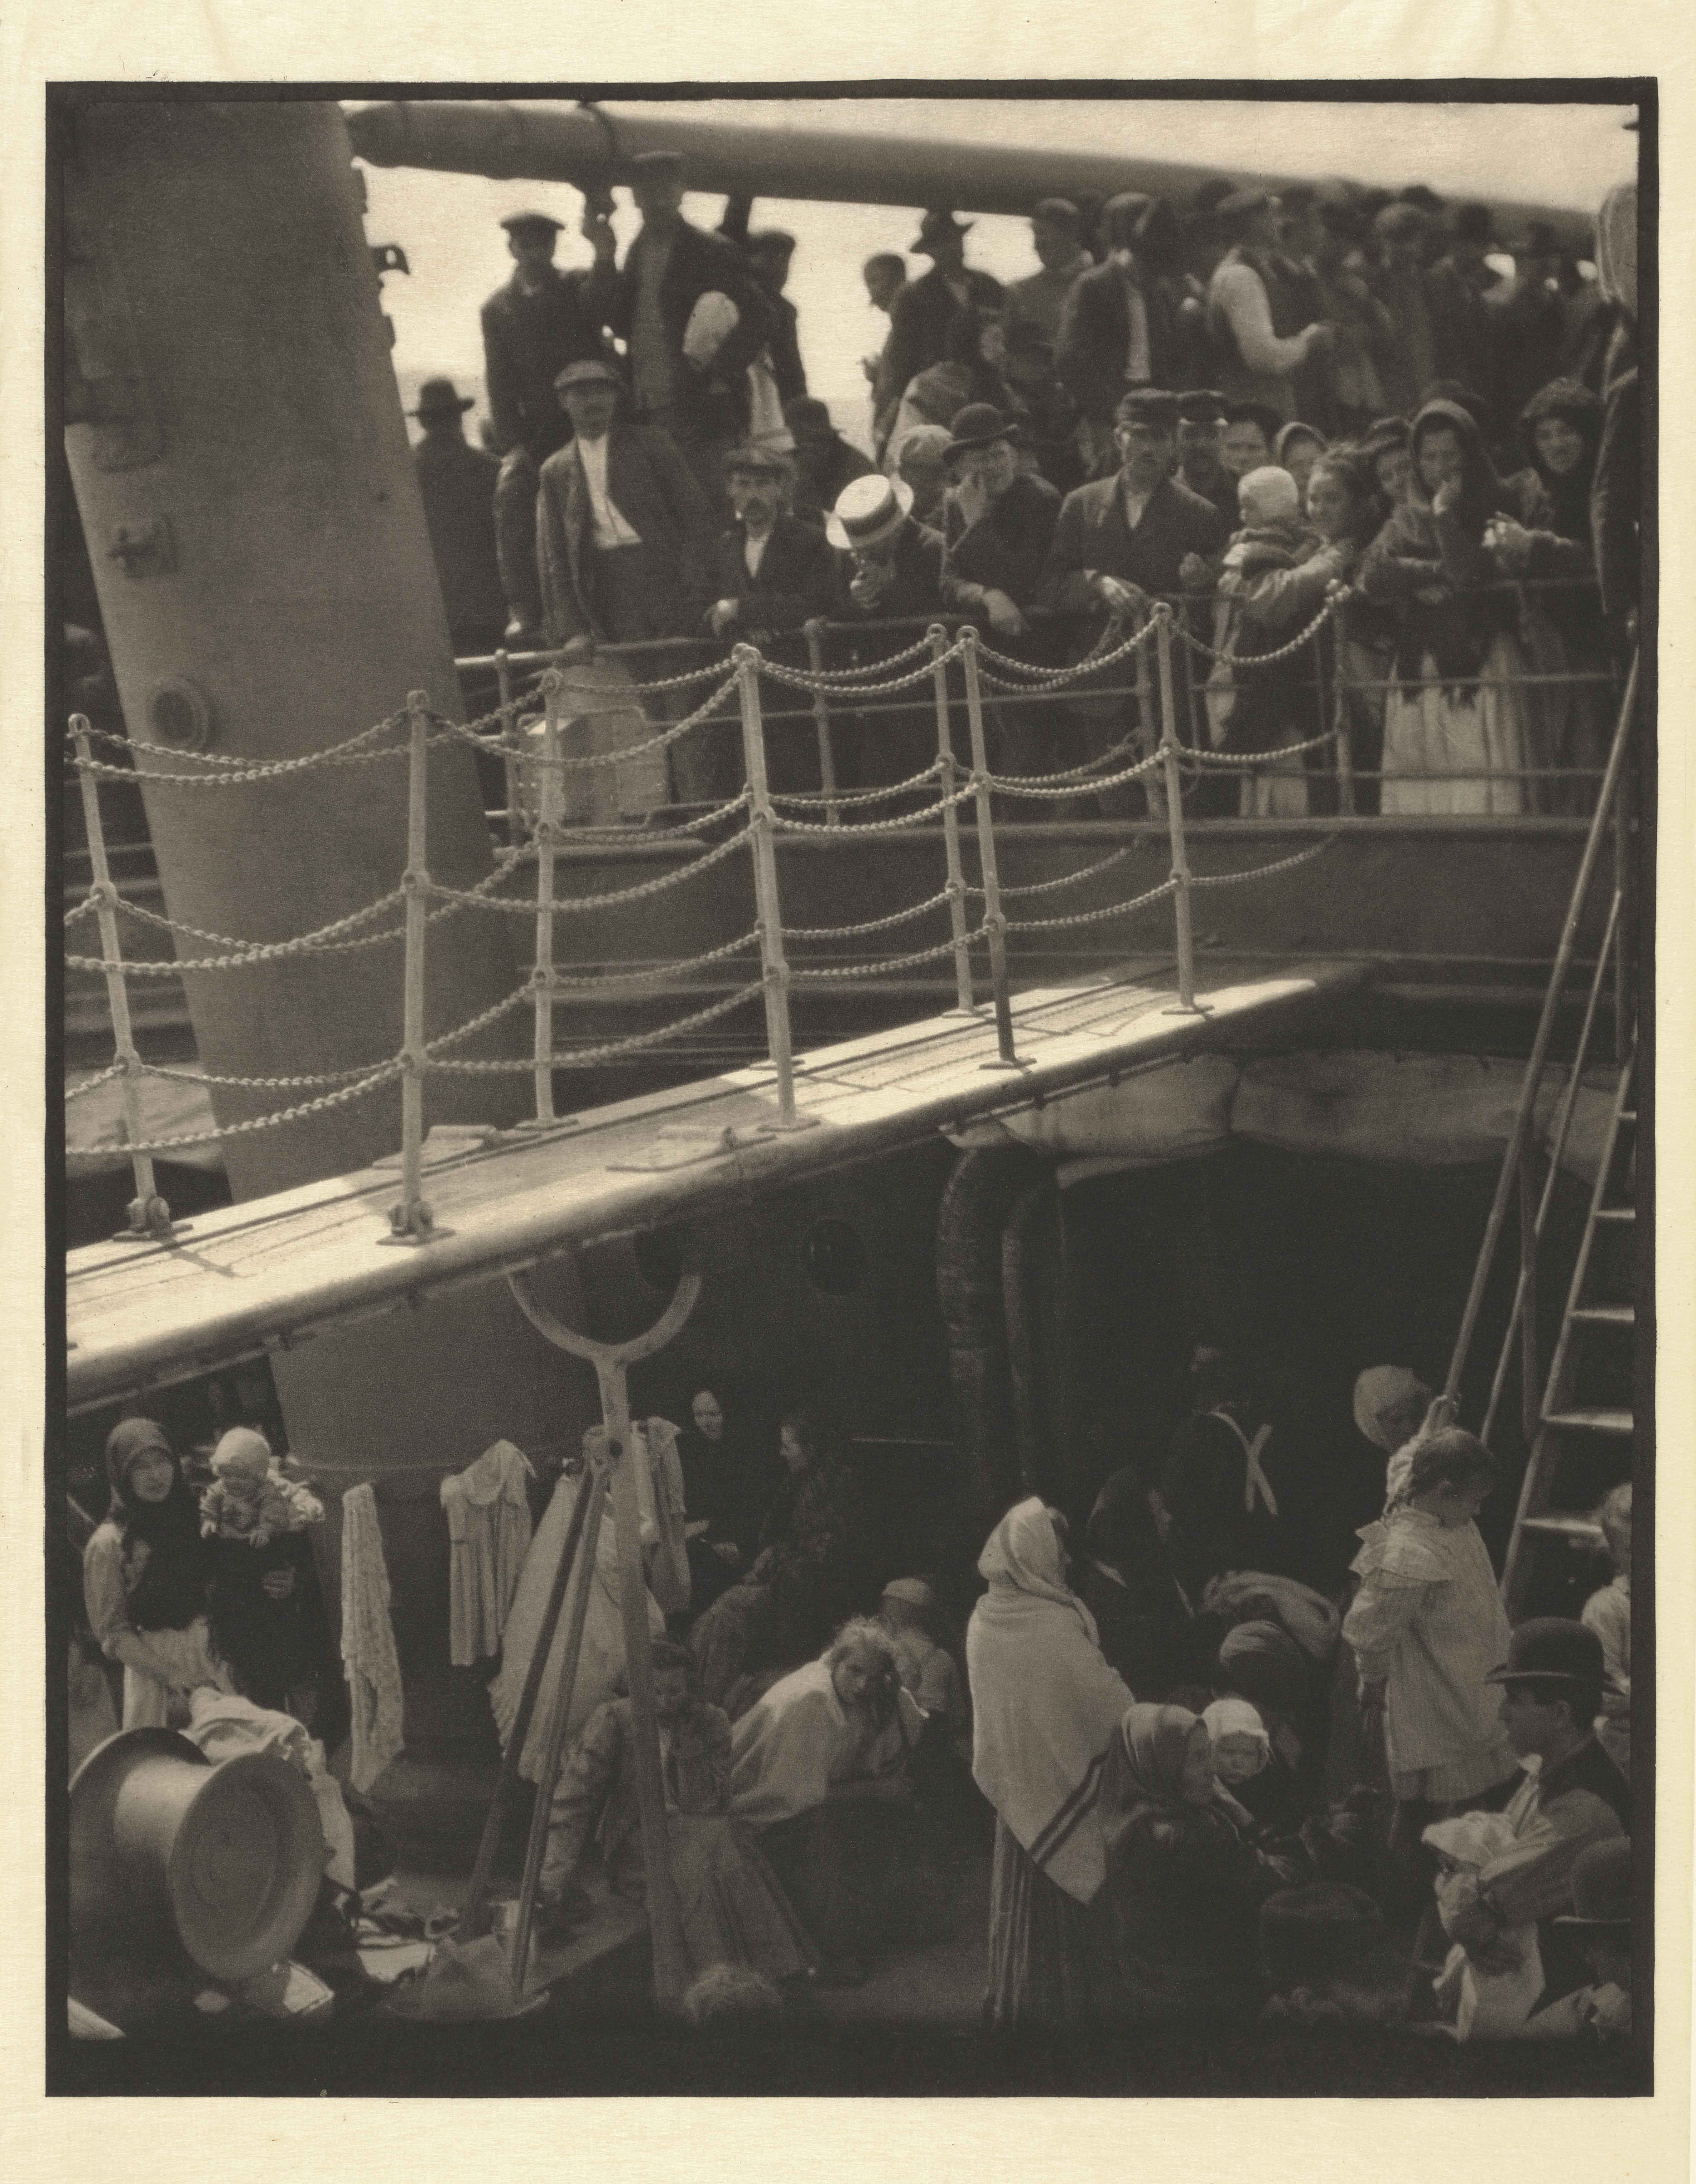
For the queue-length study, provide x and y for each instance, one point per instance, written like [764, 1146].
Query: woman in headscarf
[819, 1768]
[1046, 1708]
[1458, 732]
[1142, 1619]
[1427, 1626]
[1185, 1883]
[145, 1573]
[1296, 448]
[1562, 428]
[724, 1492]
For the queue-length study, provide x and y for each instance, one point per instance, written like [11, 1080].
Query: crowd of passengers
[1225, 1766]
[1249, 405]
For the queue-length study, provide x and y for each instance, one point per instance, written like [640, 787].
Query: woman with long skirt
[1459, 735]
[1046, 1708]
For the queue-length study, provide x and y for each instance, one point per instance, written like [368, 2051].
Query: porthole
[835, 1258]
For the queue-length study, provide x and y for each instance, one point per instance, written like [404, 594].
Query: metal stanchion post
[821, 722]
[1147, 744]
[774, 966]
[1344, 745]
[550, 802]
[508, 752]
[964, 999]
[1186, 1004]
[411, 1220]
[149, 1215]
[995, 925]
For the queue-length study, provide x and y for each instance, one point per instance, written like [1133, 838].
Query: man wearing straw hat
[889, 568]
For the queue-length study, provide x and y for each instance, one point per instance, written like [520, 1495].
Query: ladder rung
[1616, 1213]
[1606, 1422]
[1607, 1315]
[1584, 1531]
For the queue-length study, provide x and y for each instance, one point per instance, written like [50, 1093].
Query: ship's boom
[546, 140]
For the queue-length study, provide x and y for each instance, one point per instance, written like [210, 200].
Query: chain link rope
[587, 902]
[786, 825]
[1094, 916]
[588, 1057]
[872, 924]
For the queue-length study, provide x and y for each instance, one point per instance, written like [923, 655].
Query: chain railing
[1154, 753]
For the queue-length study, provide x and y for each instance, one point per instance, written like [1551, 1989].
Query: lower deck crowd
[1221, 1775]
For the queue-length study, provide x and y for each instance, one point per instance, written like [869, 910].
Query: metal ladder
[1557, 1427]
[1588, 1319]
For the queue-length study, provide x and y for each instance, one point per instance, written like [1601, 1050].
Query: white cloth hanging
[600, 1665]
[488, 1536]
[368, 1651]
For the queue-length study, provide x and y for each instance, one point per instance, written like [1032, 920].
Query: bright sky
[1567, 156]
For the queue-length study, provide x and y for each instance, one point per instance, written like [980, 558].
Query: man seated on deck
[733, 1911]
[820, 1768]
[770, 571]
[1571, 1796]
[1120, 542]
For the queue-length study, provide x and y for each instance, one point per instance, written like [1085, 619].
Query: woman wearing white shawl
[1046, 1708]
[600, 1666]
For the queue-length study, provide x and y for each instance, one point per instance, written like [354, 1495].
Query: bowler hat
[771, 238]
[806, 410]
[979, 424]
[937, 222]
[1551, 1649]
[1058, 212]
[1601, 1885]
[868, 510]
[515, 222]
[440, 398]
[586, 371]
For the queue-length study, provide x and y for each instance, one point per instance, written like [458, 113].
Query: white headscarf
[1046, 1705]
[1236, 1718]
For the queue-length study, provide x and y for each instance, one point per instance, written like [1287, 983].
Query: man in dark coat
[889, 568]
[621, 539]
[1118, 327]
[769, 570]
[533, 328]
[920, 316]
[702, 405]
[770, 250]
[456, 482]
[824, 461]
[1461, 320]
[998, 521]
[1201, 429]
[1120, 542]
[541, 320]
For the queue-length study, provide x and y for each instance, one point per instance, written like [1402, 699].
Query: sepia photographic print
[852, 956]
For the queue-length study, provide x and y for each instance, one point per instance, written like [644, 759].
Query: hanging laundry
[488, 1536]
[368, 1640]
